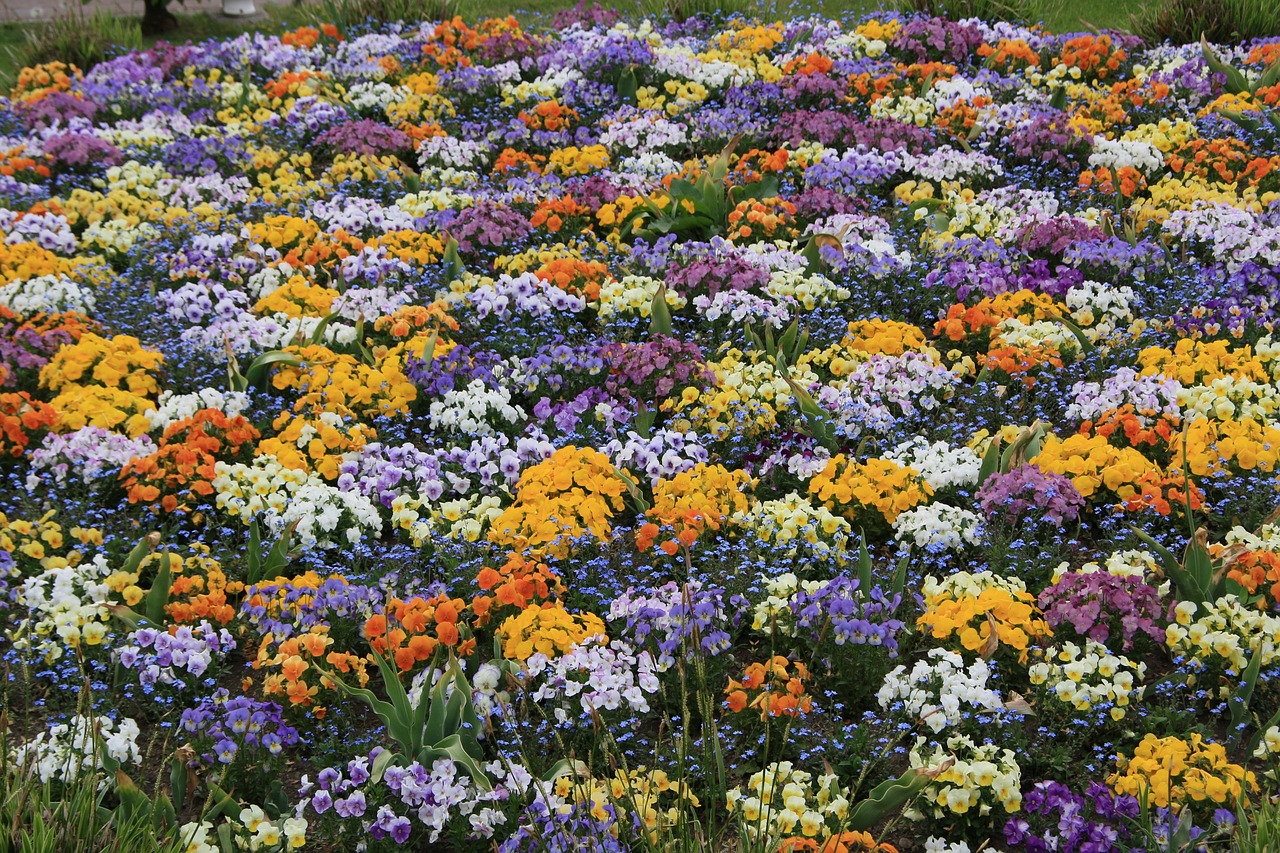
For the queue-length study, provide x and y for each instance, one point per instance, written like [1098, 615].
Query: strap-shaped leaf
[1236, 82]
[1238, 702]
[660, 313]
[256, 375]
[889, 796]
[990, 460]
[158, 596]
[451, 747]
[317, 334]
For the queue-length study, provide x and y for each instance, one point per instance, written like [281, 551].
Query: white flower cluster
[904, 108]
[646, 167]
[937, 527]
[1234, 237]
[171, 407]
[1224, 634]
[774, 611]
[64, 606]
[1047, 334]
[1125, 153]
[970, 585]
[49, 230]
[49, 293]
[287, 496]
[160, 656]
[253, 831]
[1100, 309]
[374, 98]
[935, 691]
[642, 133]
[800, 288]
[465, 518]
[452, 152]
[1150, 396]
[795, 519]
[441, 196]
[136, 179]
[781, 800]
[740, 305]
[634, 294]
[1231, 398]
[664, 454]
[948, 164]
[68, 749]
[1084, 677]
[474, 409]
[865, 241]
[941, 465]
[601, 674]
[86, 454]
[117, 236]
[524, 294]
[978, 779]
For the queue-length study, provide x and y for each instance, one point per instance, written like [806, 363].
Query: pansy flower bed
[808, 435]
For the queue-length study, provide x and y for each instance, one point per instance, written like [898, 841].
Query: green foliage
[262, 566]
[351, 13]
[699, 209]
[1019, 11]
[78, 39]
[1184, 21]
[443, 724]
[1257, 827]
[682, 10]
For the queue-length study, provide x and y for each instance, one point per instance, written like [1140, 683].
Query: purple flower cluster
[922, 38]
[1099, 605]
[224, 726]
[159, 656]
[455, 369]
[23, 351]
[838, 610]
[547, 830]
[1057, 819]
[715, 272]
[294, 609]
[675, 617]
[1027, 490]
[57, 108]
[490, 225]
[366, 138]
[81, 150]
[583, 15]
[650, 372]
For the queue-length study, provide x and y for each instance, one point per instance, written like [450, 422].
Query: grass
[1058, 16]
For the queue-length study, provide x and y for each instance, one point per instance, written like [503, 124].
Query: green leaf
[889, 796]
[256, 375]
[1252, 746]
[660, 313]
[1270, 77]
[990, 460]
[317, 336]
[633, 490]
[158, 596]
[253, 557]
[453, 268]
[645, 418]
[627, 86]
[1169, 563]
[1236, 82]
[380, 764]
[788, 341]
[1058, 100]
[864, 566]
[1198, 566]
[178, 780]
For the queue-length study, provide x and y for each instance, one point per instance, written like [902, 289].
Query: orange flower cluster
[963, 322]
[1255, 569]
[14, 163]
[574, 275]
[185, 459]
[1128, 179]
[756, 219]
[300, 677]
[1013, 54]
[850, 841]
[404, 631]
[22, 420]
[553, 213]
[549, 115]
[1092, 54]
[199, 589]
[1019, 362]
[518, 583]
[1124, 427]
[775, 689]
[292, 83]
[808, 65]
[754, 164]
[308, 36]
[958, 120]
[1226, 160]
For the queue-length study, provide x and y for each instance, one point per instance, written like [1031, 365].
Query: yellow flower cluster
[650, 795]
[971, 606]
[578, 161]
[747, 395]
[21, 261]
[37, 546]
[315, 443]
[335, 382]
[1224, 634]
[973, 779]
[298, 297]
[549, 630]
[1213, 446]
[103, 382]
[793, 519]
[1089, 676]
[1194, 362]
[692, 501]
[866, 338]
[1092, 463]
[1170, 771]
[878, 485]
[574, 492]
[782, 800]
